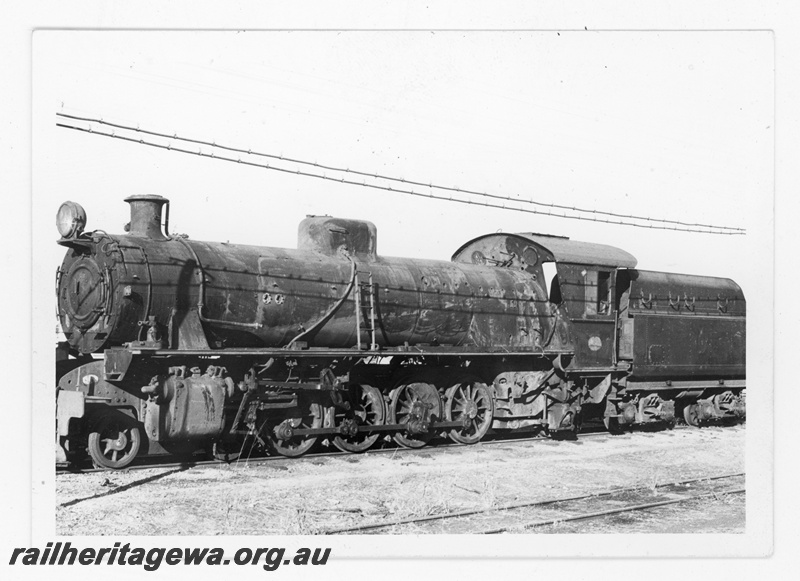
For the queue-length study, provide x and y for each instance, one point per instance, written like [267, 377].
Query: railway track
[542, 513]
[199, 461]
[517, 486]
[447, 447]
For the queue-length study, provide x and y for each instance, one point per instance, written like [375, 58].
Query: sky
[673, 125]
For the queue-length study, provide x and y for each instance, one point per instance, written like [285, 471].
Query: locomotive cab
[581, 290]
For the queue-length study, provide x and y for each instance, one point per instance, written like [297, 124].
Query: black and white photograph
[553, 324]
[306, 298]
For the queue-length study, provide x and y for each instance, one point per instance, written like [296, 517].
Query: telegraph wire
[676, 226]
[401, 180]
[391, 189]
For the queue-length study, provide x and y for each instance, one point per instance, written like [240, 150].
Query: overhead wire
[652, 223]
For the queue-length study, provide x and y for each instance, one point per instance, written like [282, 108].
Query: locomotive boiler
[117, 290]
[173, 344]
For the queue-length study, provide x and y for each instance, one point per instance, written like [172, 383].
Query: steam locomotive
[173, 345]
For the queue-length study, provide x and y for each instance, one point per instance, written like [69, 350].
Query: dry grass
[309, 497]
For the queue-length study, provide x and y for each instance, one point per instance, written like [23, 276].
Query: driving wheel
[470, 403]
[306, 415]
[366, 409]
[416, 405]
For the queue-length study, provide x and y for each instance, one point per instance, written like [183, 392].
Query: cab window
[551, 281]
[597, 289]
[603, 293]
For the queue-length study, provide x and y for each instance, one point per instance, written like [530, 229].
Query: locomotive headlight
[70, 219]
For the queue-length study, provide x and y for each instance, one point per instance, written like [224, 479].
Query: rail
[547, 502]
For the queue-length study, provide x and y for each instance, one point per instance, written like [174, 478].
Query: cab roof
[562, 249]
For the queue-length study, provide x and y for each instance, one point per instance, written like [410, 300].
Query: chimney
[146, 215]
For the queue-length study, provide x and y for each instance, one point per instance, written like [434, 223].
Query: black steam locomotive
[173, 345]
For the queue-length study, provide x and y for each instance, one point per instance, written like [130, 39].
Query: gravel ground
[314, 495]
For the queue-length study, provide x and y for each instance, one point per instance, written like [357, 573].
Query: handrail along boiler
[174, 344]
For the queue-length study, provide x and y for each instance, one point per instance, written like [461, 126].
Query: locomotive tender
[174, 344]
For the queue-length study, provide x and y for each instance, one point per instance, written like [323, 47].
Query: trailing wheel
[227, 451]
[612, 425]
[469, 402]
[114, 440]
[690, 415]
[306, 415]
[366, 409]
[416, 405]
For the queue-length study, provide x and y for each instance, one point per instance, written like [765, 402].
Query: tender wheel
[471, 403]
[690, 415]
[416, 405]
[114, 441]
[307, 415]
[367, 409]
